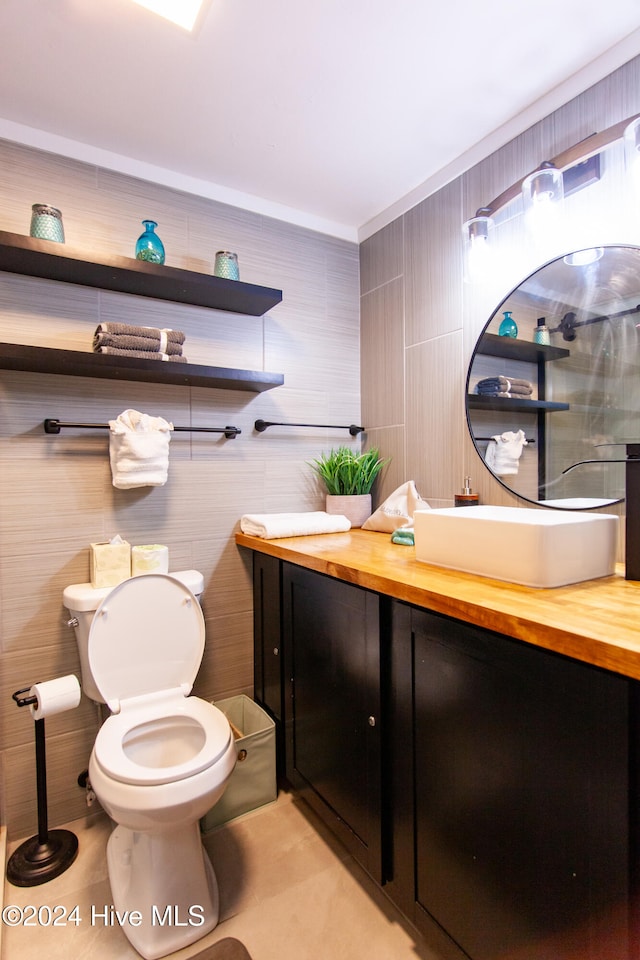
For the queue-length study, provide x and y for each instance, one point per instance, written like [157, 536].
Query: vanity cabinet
[489, 786]
[510, 821]
[268, 679]
[317, 672]
[331, 638]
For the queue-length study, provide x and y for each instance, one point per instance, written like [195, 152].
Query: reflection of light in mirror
[583, 257]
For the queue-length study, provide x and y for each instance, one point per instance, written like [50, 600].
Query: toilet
[162, 758]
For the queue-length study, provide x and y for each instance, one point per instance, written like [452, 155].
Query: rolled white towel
[271, 526]
[139, 450]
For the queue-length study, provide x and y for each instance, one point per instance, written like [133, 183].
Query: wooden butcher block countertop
[597, 621]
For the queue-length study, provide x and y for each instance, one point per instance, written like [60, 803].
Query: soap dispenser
[508, 327]
[467, 498]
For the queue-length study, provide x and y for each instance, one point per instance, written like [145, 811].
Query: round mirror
[553, 389]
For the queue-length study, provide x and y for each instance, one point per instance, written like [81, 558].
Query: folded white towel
[271, 526]
[504, 451]
[139, 450]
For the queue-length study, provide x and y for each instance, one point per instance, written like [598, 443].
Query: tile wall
[419, 320]
[414, 328]
[57, 494]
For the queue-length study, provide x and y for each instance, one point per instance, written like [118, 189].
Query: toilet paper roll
[149, 558]
[55, 696]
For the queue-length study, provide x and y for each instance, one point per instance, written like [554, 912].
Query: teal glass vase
[149, 246]
[508, 327]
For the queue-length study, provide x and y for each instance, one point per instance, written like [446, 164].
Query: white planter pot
[355, 508]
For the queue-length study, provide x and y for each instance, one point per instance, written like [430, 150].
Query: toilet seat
[147, 635]
[140, 744]
[145, 647]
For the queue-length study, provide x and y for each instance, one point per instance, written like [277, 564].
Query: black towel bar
[261, 426]
[487, 439]
[55, 426]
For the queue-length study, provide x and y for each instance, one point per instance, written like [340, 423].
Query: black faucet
[632, 507]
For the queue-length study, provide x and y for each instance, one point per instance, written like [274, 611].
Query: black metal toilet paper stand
[47, 855]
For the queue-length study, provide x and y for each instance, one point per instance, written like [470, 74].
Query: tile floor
[288, 890]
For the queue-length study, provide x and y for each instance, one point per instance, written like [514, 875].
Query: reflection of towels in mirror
[504, 387]
[504, 451]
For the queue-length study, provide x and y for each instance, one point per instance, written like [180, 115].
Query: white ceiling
[328, 113]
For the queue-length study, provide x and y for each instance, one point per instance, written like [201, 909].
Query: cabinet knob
[372, 721]
[276, 651]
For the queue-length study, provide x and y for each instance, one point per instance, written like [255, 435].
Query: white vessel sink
[536, 548]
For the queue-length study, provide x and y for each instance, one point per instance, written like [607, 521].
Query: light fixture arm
[578, 153]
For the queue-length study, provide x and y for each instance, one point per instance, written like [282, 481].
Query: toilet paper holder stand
[50, 852]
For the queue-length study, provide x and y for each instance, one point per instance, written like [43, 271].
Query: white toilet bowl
[159, 762]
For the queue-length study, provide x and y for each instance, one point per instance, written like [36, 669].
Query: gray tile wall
[420, 321]
[418, 325]
[57, 494]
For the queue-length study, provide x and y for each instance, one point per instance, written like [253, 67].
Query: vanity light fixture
[545, 186]
[632, 148]
[476, 242]
[543, 195]
[183, 13]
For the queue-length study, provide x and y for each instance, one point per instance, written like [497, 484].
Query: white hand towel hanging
[139, 450]
[504, 451]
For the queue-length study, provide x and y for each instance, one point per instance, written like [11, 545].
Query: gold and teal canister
[46, 223]
[226, 265]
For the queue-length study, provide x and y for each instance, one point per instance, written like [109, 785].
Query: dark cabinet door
[521, 797]
[332, 644]
[267, 666]
[267, 645]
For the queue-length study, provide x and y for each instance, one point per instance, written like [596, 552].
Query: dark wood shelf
[76, 363]
[513, 349]
[53, 261]
[477, 402]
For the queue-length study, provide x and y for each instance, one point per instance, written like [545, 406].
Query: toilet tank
[82, 600]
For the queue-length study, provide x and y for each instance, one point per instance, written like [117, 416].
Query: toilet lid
[147, 636]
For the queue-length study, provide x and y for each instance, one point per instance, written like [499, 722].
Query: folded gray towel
[502, 386]
[155, 333]
[141, 354]
[513, 392]
[504, 383]
[125, 341]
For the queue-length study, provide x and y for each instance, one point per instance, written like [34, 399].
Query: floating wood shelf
[477, 402]
[76, 363]
[511, 348]
[52, 261]
[55, 261]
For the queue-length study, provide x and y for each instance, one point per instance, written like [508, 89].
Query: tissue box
[110, 563]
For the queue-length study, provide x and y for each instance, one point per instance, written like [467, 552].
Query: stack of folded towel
[504, 387]
[148, 343]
